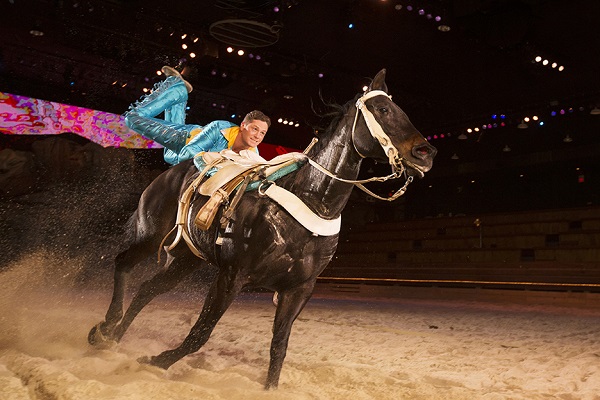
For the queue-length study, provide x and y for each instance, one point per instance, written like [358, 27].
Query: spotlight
[193, 55]
[230, 49]
[240, 52]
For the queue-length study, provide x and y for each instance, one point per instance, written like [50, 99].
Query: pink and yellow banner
[21, 115]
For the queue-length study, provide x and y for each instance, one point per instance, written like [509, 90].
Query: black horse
[264, 247]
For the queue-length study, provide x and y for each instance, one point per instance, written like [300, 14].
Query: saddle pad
[230, 168]
[221, 177]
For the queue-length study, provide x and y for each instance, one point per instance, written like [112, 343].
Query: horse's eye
[382, 110]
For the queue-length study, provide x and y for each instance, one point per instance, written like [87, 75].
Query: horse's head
[392, 138]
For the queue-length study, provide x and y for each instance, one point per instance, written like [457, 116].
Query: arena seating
[556, 250]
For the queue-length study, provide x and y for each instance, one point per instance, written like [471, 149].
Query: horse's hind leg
[124, 262]
[222, 292]
[176, 269]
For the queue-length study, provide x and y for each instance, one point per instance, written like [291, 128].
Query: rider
[184, 141]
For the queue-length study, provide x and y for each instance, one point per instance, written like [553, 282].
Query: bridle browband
[396, 162]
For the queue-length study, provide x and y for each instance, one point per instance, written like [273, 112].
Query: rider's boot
[169, 71]
[172, 91]
[176, 113]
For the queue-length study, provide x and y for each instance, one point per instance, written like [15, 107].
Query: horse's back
[157, 208]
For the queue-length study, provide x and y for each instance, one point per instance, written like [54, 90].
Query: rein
[396, 162]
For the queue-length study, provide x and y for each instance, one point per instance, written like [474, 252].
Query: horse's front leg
[289, 306]
[221, 294]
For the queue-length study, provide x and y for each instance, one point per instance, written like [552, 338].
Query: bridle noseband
[375, 128]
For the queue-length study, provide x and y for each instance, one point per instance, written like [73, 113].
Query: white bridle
[374, 128]
[396, 162]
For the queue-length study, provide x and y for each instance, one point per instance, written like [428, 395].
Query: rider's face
[253, 132]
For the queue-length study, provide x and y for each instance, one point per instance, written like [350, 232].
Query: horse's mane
[330, 119]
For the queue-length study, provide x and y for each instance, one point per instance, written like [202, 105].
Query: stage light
[538, 59]
[230, 49]
[350, 25]
[184, 46]
[193, 55]
[240, 52]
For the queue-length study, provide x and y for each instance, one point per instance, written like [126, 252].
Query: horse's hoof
[96, 338]
[144, 360]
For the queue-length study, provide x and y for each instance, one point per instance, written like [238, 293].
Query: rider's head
[253, 129]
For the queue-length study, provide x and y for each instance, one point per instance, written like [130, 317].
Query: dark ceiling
[101, 54]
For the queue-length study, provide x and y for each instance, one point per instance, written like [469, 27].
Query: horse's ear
[379, 82]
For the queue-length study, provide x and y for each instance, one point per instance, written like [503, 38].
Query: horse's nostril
[424, 151]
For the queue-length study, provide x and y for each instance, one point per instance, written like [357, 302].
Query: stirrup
[169, 71]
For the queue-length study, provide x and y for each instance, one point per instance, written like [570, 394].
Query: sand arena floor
[340, 348]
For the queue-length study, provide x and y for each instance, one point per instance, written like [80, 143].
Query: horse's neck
[323, 194]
